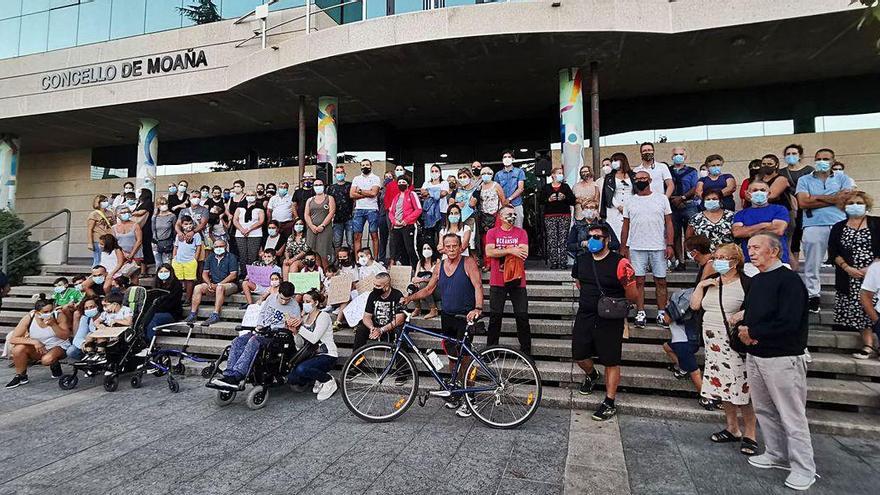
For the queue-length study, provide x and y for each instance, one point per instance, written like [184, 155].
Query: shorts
[185, 271]
[597, 337]
[686, 352]
[228, 288]
[365, 216]
[452, 326]
[642, 259]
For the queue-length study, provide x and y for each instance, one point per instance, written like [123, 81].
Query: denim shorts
[686, 353]
[642, 259]
[365, 216]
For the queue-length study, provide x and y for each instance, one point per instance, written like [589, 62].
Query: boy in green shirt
[64, 294]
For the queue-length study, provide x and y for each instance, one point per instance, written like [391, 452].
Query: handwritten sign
[260, 275]
[252, 316]
[339, 290]
[366, 284]
[400, 277]
[305, 281]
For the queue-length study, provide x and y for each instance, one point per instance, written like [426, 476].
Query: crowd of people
[748, 306]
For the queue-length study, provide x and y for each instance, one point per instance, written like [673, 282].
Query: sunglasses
[598, 237]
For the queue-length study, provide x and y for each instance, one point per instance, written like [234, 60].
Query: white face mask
[163, 207]
[615, 164]
[589, 214]
[275, 283]
[704, 173]
[606, 169]
[362, 260]
[507, 161]
[307, 308]
[558, 177]
[427, 253]
[435, 175]
[195, 201]
[463, 181]
[251, 199]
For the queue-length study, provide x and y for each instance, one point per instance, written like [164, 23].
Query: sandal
[724, 436]
[748, 447]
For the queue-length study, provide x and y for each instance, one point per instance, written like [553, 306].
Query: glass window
[127, 18]
[236, 8]
[403, 6]
[831, 123]
[288, 4]
[62, 27]
[352, 12]
[34, 33]
[94, 22]
[778, 127]
[54, 4]
[695, 133]
[9, 8]
[31, 6]
[333, 13]
[377, 8]
[98, 172]
[162, 15]
[726, 131]
[453, 3]
[632, 137]
[9, 37]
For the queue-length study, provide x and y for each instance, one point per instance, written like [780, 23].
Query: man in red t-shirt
[508, 240]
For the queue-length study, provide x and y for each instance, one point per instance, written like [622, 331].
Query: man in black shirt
[340, 189]
[383, 314]
[774, 329]
[301, 195]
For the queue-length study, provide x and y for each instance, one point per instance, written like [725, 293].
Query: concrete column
[148, 155]
[571, 122]
[9, 147]
[594, 118]
[327, 132]
[301, 137]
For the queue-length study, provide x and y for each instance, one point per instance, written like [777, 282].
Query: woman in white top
[316, 328]
[491, 199]
[454, 225]
[41, 335]
[248, 220]
[112, 259]
[617, 188]
[423, 275]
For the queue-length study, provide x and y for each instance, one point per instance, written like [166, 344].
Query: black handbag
[732, 332]
[304, 353]
[609, 308]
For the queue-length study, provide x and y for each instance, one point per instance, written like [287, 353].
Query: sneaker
[680, 375]
[661, 319]
[641, 319]
[814, 305]
[56, 370]
[867, 352]
[143, 353]
[17, 380]
[227, 381]
[452, 402]
[327, 389]
[243, 305]
[317, 387]
[799, 482]
[604, 412]
[214, 318]
[463, 411]
[589, 382]
[764, 461]
[191, 318]
[807, 356]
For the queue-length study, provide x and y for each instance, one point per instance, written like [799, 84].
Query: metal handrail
[307, 16]
[65, 251]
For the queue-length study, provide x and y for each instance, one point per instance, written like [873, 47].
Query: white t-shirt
[365, 183]
[647, 221]
[871, 283]
[282, 208]
[659, 173]
[443, 186]
[255, 217]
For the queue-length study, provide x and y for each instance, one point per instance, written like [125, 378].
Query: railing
[5, 262]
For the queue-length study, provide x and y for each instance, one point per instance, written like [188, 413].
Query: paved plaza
[151, 441]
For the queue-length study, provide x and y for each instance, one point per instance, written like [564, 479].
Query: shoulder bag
[732, 332]
[609, 308]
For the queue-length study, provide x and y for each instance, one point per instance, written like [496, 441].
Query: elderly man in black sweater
[774, 329]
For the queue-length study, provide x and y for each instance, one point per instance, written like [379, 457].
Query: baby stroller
[118, 353]
[270, 367]
[159, 360]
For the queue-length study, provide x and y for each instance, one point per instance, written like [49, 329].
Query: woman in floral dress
[714, 222]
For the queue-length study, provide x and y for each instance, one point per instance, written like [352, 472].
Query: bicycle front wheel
[512, 396]
[368, 394]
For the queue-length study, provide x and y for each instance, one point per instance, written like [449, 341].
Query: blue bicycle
[501, 386]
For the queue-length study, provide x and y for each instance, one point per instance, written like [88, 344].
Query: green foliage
[18, 245]
[204, 12]
[870, 15]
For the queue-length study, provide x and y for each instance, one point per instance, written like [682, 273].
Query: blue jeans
[310, 370]
[75, 351]
[242, 354]
[96, 254]
[342, 231]
[158, 319]
[362, 217]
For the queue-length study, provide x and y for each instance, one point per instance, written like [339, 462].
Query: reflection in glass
[94, 22]
[237, 8]
[9, 37]
[9, 8]
[162, 15]
[31, 6]
[403, 6]
[286, 4]
[34, 33]
[127, 18]
[352, 12]
[62, 27]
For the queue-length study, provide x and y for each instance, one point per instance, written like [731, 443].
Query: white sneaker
[317, 387]
[799, 482]
[463, 411]
[764, 461]
[327, 389]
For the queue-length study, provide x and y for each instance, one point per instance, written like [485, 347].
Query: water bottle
[435, 360]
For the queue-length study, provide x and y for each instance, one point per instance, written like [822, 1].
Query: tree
[871, 13]
[203, 12]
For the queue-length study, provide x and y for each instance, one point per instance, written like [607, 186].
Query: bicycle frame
[463, 347]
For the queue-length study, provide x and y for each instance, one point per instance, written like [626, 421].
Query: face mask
[615, 165]
[274, 283]
[508, 162]
[188, 228]
[704, 173]
[510, 218]
[98, 280]
[307, 307]
[307, 184]
[823, 165]
[402, 187]
[399, 172]
[768, 170]
[46, 316]
[272, 232]
[595, 245]
[454, 218]
[648, 156]
[641, 185]
[195, 201]
[712, 204]
[753, 172]
[319, 189]
[172, 190]
[435, 175]
[487, 178]
[104, 204]
[299, 227]
[125, 217]
[340, 177]
[605, 171]
[91, 312]
[78, 287]
[759, 198]
[164, 275]
[427, 253]
[589, 213]
[131, 202]
[309, 262]
[715, 170]
[59, 289]
[378, 292]
[282, 191]
[366, 170]
[226, 196]
[791, 159]
[163, 207]
[220, 251]
[856, 210]
[558, 177]
[721, 266]
[181, 188]
[362, 260]
[464, 181]
[678, 159]
[251, 199]
[261, 193]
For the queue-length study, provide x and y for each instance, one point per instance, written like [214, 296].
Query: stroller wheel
[173, 386]
[224, 397]
[207, 371]
[111, 383]
[256, 398]
[68, 382]
[179, 369]
[165, 362]
[136, 381]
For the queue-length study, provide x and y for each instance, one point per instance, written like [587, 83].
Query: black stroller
[159, 359]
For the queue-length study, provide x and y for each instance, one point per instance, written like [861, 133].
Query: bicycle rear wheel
[515, 391]
[370, 399]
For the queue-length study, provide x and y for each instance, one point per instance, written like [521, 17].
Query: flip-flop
[748, 447]
[724, 436]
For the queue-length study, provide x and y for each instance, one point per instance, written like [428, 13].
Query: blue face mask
[172, 190]
[164, 275]
[715, 170]
[226, 196]
[823, 165]
[712, 204]
[791, 159]
[125, 217]
[98, 280]
[91, 312]
[340, 177]
[721, 266]
[678, 159]
[759, 198]
[487, 178]
[595, 245]
[282, 191]
[856, 210]
[59, 289]
[454, 218]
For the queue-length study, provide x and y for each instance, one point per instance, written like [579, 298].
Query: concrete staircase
[844, 393]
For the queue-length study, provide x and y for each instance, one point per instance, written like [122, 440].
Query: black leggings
[403, 243]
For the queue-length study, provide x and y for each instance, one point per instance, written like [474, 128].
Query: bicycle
[502, 387]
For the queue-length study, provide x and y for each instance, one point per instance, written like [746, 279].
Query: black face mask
[768, 170]
[309, 262]
[647, 156]
[402, 187]
[343, 261]
[366, 170]
[378, 292]
[641, 185]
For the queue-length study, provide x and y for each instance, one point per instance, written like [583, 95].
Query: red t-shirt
[504, 239]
